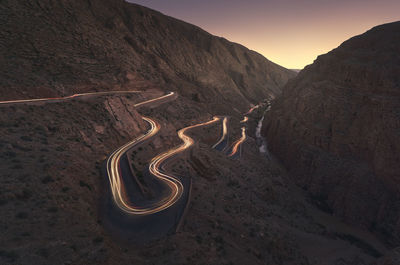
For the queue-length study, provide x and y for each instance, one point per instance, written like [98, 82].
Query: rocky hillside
[52, 48]
[242, 210]
[337, 127]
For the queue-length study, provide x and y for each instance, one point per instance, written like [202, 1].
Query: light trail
[252, 109]
[154, 99]
[174, 184]
[237, 144]
[113, 165]
[224, 132]
[245, 119]
[20, 101]
[113, 162]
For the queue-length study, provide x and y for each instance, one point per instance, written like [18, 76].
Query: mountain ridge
[109, 45]
[335, 127]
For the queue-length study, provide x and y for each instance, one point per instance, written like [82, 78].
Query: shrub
[98, 240]
[52, 209]
[47, 179]
[3, 201]
[22, 215]
[199, 239]
[26, 138]
[9, 255]
[25, 195]
[60, 149]
[43, 252]
[84, 184]
[17, 166]
[10, 154]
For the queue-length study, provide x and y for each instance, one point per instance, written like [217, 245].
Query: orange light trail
[252, 109]
[173, 183]
[20, 101]
[224, 132]
[245, 119]
[238, 142]
[113, 168]
[154, 99]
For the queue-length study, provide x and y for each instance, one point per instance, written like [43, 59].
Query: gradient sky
[291, 33]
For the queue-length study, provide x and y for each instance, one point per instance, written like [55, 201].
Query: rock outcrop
[337, 127]
[52, 48]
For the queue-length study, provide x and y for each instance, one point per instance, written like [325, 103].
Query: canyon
[336, 127]
[325, 191]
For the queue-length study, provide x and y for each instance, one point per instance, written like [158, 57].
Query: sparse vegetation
[9, 255]
[47, 179]
[26, 138]
[43, 252]
[84, 184]
[52, 209]
[22, 215]
[9, 154]
[98, 240]
[60, 149]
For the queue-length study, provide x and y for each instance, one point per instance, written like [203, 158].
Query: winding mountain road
[236, 149]
[173, 183]
[238, 144]
[245, 119]
[58, 99]
[223, 141]
[252, 109]
[154, 219]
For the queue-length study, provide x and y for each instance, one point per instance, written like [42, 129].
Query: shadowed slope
[337, 127]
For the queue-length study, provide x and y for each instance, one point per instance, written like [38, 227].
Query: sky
[291, 33]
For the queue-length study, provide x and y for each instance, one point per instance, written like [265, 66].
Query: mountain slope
[55, 47]
[242, 210]
[337, 127]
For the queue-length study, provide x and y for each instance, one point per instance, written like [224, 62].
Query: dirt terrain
[241, 211]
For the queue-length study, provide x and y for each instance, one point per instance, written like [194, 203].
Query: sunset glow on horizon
[291, 33]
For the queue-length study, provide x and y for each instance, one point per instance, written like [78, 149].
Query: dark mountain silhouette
[337, 127]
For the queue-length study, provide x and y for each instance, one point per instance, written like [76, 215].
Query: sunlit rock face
[337, 127]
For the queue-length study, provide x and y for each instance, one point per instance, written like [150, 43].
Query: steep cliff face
[55, 47]
[337, 125]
